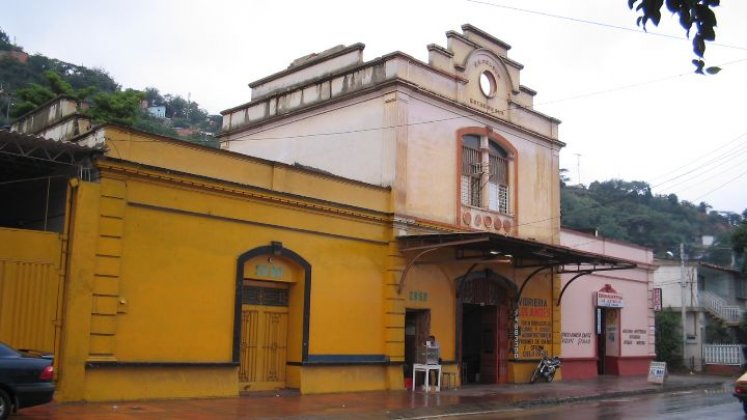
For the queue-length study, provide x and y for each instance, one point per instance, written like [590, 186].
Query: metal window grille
[471, 169]
[498, 184]
[264, 296]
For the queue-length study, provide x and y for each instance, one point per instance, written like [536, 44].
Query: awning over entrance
[24, 157]
[486, 248]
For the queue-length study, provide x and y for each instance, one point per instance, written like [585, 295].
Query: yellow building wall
[152, 278]
[30, 283]
[433, 287]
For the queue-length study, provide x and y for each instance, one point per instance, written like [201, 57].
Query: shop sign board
[657, 372]
[656, 299]
[609, 300]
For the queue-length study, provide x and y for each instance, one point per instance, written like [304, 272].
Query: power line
[737, 138]
[700, 179]
[722, 185]
[720, 159]
[595, 23]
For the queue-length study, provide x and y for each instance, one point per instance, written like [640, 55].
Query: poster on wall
[612, 332]
[535, 327]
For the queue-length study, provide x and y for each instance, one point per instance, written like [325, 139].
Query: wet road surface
[600, 397]
[716, 404]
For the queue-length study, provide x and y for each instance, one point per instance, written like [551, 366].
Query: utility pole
[578, 167]
[684, 313]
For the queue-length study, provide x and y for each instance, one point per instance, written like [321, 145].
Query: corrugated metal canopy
[486, 248]
[23, 157]
[523, 252]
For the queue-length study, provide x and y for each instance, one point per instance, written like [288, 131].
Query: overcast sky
[630, 104]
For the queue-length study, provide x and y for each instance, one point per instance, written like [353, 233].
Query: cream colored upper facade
[397, 122]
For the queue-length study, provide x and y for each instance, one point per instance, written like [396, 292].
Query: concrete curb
[618, 394]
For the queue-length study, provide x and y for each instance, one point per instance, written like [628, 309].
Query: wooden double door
[484, 344]
[264, 336]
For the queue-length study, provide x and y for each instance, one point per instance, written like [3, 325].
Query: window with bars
[264, 296]
[485, 176]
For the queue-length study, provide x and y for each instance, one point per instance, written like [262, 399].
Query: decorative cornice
[257, 193]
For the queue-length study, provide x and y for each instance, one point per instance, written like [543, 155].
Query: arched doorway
[485, 302]
[271, 323]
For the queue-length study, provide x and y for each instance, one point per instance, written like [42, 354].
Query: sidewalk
[376, 405]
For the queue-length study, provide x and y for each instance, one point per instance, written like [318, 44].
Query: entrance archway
[484, 304]
[271, 319]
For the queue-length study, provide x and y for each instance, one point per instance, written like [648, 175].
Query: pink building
[607, 322]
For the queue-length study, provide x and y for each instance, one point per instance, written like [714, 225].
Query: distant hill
[27, 81]
[628, 211]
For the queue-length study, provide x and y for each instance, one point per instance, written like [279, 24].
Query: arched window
[485, 175]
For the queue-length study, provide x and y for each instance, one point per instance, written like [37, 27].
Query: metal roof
[524, 253]
[24, 156]
[487, 248]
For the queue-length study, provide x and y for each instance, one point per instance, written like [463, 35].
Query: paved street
[683, 396]
[695, 404]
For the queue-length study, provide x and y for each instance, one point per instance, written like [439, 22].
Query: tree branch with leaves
[697, 13]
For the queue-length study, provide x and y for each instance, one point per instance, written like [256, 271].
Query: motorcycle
[545, 368]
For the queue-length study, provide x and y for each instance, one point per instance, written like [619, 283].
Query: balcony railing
[723, 354]
[718, 307]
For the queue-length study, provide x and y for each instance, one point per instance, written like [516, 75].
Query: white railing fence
[723, 354]
[719, 308]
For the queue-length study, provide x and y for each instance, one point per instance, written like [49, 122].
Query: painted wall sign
[535, 326]
[634, 337]
[517, 333]
[267, 270]
[656, 298]
[577, 338]
[418, 296]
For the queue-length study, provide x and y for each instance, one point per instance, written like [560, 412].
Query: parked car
[26, 380]
[740, 391]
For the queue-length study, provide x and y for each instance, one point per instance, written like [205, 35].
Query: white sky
[648, 117]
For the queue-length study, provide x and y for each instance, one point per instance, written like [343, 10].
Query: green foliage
[4, 41]
[34, 95]
[669, 338]
[739, 243]
[718, 333]
[151, 125]
[121, 107]
[58, 85]
[41, 79]
[628, 211]
[5, 44]
[742, 329]
[699, 13]
[29, 98]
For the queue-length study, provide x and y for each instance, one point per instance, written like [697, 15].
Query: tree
[35, 94]
[5, 44]
[4, 41]
[29, 98]
[742, 329]
[690, 12]
[739, 243]
[668, 338]
[718, 333]
[153, 97]
[121, 107]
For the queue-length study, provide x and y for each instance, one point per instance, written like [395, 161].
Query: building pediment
[490, 86]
